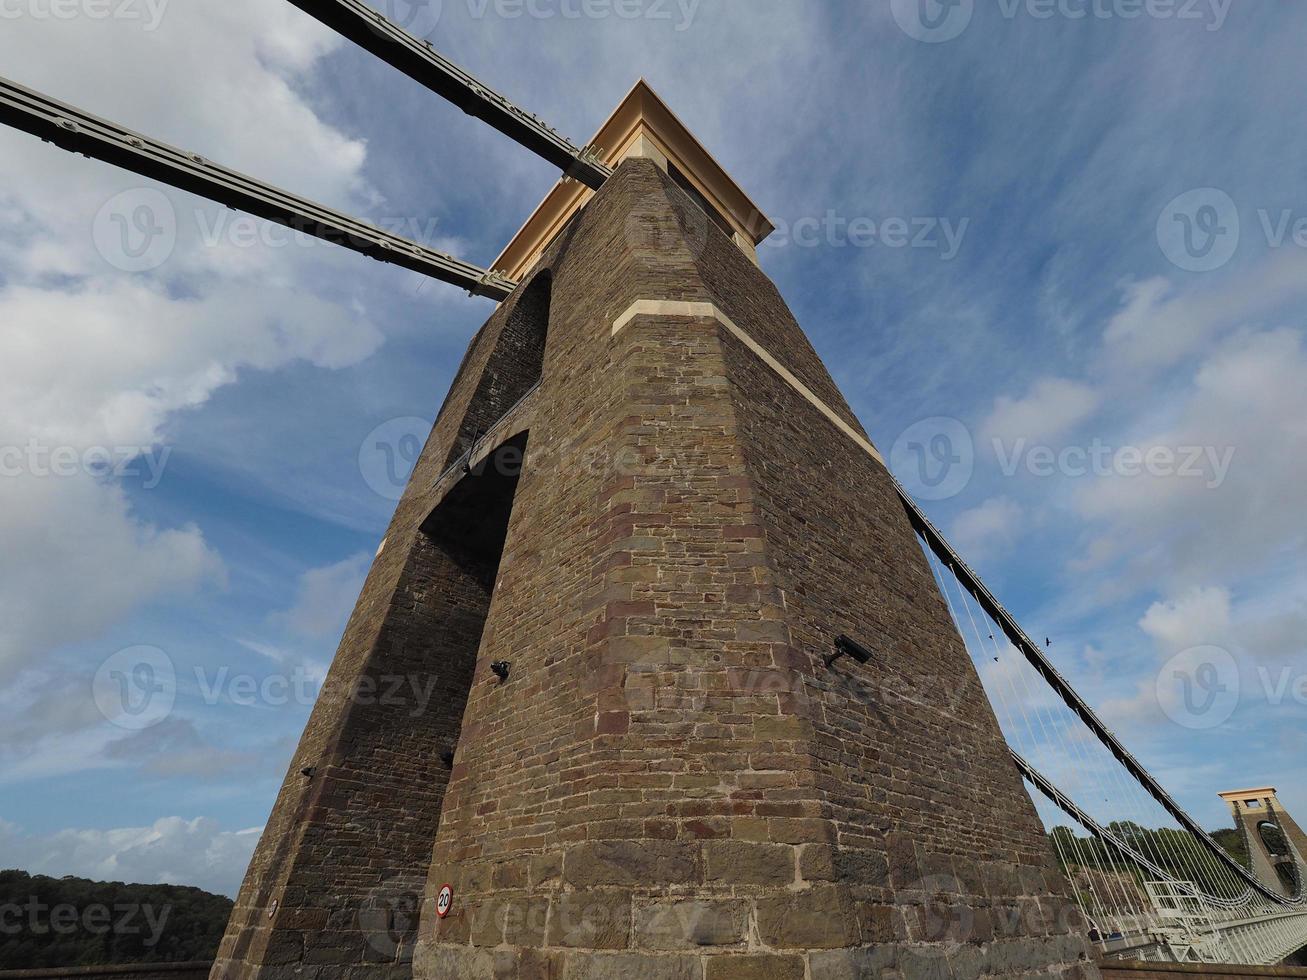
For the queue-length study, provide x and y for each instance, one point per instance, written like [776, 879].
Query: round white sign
[444, 901]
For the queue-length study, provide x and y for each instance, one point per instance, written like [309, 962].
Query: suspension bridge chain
[1150, 881]
[80, 132]
[417, 59]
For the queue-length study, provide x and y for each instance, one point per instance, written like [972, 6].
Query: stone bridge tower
[1276, 844]
[642, 519]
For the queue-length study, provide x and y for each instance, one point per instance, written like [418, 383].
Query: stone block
[732, 863]
[689, 923]
[754, 968]
[633, 862]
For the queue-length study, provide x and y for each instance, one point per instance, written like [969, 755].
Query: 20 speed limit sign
[444, 901]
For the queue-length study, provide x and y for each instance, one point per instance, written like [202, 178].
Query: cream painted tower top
[642, 126]
[1243, 800]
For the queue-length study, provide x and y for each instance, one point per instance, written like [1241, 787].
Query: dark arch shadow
[515, 365]
[1277, 847]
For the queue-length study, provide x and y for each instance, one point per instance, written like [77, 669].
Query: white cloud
[1200, 616]
[326, 596]
[76, 560]
[172, 851]
[175, 748]
[98, 357]
[1159, 323]
[1242, 425]
[1052, 407]
[994, 524]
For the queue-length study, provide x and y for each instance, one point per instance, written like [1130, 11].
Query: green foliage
[1176, 852]
[1234, 844]
[75, 922]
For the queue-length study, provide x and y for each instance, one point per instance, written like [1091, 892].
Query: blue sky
[1048, 165]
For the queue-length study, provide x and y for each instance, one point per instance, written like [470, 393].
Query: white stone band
[709, 311]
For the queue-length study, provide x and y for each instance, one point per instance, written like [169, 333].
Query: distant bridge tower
[1276, 844]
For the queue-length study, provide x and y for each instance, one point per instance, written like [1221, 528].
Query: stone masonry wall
[670, 785]
[301, 895]
[668, 793]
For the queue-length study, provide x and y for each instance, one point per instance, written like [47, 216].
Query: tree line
[72, 921]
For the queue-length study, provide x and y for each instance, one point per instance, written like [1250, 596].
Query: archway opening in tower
[403, 738]
[1277, 846]
[514, 368]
